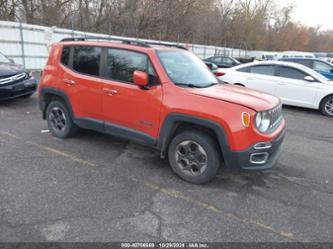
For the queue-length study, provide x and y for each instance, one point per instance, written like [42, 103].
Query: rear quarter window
[244, 70]
[65, 55]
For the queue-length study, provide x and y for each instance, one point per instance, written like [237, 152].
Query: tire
[59, 120]
[326, 106]
[193, 155]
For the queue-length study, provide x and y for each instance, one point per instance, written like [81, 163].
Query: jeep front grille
[276, 117]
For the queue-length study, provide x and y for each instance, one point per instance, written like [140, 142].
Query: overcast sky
[312, 12]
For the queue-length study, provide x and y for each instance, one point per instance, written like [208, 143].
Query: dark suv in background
[322, 67]
[15, 81]
[223, 61]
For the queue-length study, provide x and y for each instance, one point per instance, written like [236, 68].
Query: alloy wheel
[191, 158]
[57, 119]
[329, 107]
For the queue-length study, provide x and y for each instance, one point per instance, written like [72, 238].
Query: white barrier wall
[29, 44]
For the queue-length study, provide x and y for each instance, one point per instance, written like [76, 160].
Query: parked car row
[293, 83]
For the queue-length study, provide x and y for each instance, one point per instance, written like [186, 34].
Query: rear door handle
[109, 91]
[69, 82]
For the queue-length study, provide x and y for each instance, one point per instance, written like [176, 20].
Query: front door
[294, 90]
[127, 107]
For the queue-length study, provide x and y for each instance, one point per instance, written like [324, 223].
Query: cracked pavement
[95, 187]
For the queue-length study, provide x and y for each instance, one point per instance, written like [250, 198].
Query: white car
[293, 83]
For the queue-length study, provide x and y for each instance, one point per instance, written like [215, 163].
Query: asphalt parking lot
[99, 188]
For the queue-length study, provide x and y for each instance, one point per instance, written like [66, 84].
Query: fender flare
[171, 122]
[61, 94]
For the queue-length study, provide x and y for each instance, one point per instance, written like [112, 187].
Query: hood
[255, 100]
[10, 69]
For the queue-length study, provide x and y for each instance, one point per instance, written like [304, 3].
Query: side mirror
[11, 60]
[309, 79]
[140, 78]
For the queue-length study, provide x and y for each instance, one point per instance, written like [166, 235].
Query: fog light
[259, 158]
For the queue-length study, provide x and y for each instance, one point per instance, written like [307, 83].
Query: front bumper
[256, 157]
[22, 88]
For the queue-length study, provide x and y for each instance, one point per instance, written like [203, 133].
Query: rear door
[126, 105]
[81, 80]
[293, 89]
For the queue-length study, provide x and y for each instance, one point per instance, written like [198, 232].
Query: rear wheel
[59, 121]
[193, 155]
[326, 106]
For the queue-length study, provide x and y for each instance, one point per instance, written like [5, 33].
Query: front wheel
[193, 155]
[326, 106]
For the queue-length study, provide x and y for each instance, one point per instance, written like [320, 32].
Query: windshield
[3, 59]
[186, 69]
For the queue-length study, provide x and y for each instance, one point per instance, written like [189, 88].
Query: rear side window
[86, 60]
[291, 73]
[122, 63]
[265, 70]
[65, 55]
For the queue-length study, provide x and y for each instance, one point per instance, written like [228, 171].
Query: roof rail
[123, 40]
[166, 44]
[142, 43]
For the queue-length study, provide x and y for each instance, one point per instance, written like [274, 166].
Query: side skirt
[117, 131]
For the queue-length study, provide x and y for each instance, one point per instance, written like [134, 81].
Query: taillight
[218, 74]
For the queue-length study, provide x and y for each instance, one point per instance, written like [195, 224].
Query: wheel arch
[49, 94]
[321, 101]
[175, 123]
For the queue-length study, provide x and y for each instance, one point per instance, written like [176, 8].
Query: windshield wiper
[195, 86]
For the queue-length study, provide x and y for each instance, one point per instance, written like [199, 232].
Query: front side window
[216, 59]
[290, 73]
[86, 60]
[265, 70]
[186, 69]
[323, 67]
[122, 63]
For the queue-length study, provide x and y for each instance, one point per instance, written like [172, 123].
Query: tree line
[245, 24]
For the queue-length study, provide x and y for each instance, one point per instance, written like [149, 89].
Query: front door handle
[69, 82]
[109, 91]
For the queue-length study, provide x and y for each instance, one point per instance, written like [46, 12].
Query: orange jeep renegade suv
[163, 97]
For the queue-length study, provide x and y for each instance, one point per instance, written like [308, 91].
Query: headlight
[263, 121]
